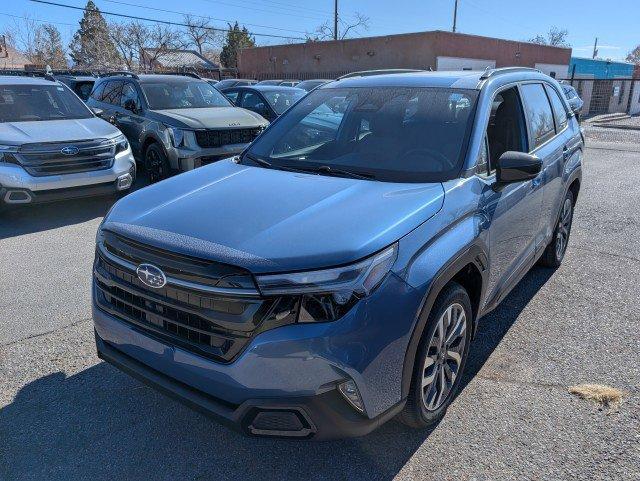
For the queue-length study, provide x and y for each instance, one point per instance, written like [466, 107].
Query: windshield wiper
[268, 165]
[325, 169]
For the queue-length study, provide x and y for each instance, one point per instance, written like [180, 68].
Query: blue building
[599, 69]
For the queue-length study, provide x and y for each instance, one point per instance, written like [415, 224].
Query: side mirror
[131, 106]
[97, 112]
[517, 167]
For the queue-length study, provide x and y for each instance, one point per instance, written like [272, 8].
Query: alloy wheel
[444, 356]
[155, 166]
[564, 228]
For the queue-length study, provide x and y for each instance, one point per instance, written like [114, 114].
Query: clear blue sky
[615, 22]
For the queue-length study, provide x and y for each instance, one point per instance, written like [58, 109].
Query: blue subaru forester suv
[332, 276]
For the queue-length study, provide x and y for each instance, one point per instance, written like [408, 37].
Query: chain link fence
[608, 96]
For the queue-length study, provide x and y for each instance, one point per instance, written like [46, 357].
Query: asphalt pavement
[64, 415]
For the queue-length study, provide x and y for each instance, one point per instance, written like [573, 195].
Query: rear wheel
[441, 358]
[156, 163]
[554, 253]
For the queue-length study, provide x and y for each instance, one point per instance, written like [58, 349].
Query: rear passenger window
[559, 113]
[233, 96]
[539, 114]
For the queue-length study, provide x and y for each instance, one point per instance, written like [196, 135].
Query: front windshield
[182, 94]
[26, 103]
[387, 133]
[281, 100]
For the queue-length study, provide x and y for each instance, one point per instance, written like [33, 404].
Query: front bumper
[292, 368]
[185, 159]
[17, 186]
[320, 417]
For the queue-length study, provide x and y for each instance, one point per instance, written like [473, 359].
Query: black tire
[554, 252]
[416, 414]
[156, 163]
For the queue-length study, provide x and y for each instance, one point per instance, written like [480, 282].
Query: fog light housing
[124, 181]
[350, 392]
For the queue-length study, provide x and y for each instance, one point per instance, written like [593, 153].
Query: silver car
[53, 147]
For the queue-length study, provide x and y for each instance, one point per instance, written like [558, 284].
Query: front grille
[45, 159]
[218, 138]
[217, 326]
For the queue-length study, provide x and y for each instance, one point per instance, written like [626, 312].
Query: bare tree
[21, 34]
[141, 45]
[634, 56]
[555, 37]
[200, 33]
[325, 31]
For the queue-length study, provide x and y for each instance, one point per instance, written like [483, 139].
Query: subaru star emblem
[70, 150]
[151, 276]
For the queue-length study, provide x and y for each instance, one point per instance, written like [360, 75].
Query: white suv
[53, 147]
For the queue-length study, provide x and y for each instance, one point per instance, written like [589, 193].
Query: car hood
[271, 220]
[211, 118]
[18, 133]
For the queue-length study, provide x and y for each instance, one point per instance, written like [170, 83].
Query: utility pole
[455, 16]
[595, 49]
[335, 20]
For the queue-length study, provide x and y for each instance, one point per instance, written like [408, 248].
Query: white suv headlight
[6, 154]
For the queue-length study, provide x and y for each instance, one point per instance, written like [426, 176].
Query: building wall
[600, 69]
[413, 50]
[558, 71]
[457, 63]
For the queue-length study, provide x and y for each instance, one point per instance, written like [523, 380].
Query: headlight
[121, 143]
[6, 154]
[327, 294]
[176, 135]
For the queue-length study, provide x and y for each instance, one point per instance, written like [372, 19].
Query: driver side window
[507, 130]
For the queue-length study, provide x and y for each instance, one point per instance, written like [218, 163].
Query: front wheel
[156, 163]
[554, 253]
[441, 358]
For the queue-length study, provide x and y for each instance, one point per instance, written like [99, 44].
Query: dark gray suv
[174, 122]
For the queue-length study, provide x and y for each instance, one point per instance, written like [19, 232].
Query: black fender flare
[472, 254]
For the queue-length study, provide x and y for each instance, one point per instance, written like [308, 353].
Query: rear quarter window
[559, 112]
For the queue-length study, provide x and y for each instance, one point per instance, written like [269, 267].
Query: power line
[199, 16]
[39, 21]
[324, 12]
[296, 14]
[165, 22]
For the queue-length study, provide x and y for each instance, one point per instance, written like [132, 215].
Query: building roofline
[408, 34]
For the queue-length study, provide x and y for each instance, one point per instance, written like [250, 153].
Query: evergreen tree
[48, 49]
[91, 45]
[237, 38]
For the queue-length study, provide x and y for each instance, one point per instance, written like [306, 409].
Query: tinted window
[233, 95]
[25, 103]
[96, 94]
[559, 112]
[83, 89]
[183, 93]
[129, 93]
[281, 100]
[112, 92]
[392, 134]
[252, 101]
[538, 111]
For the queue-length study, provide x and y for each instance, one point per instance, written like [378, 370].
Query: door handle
[565, 153]
[535, 182]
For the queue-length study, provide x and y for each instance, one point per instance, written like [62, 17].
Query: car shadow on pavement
[29, 219]
[101, 424]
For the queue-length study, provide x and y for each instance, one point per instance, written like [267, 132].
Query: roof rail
[491, 72]
[118, 72]
[369, 73]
